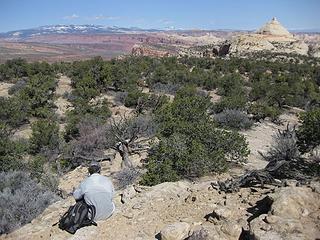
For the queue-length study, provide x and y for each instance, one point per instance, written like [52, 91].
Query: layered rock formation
[274, 28]
[272, 37]
[146, 50]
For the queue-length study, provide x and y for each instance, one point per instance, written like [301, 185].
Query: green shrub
[13, 69]
[86, 88]
[45, 135]
[99, 111]
[133, 97]
[13, 111]
[38, 93]
[10, 152]
[36, 166]
[230, 84]
[190, 145]
[233, 119]
[309, 131]
[236, 101]
[181, 156]
[71, 129]
[152, 102]
[262, 111]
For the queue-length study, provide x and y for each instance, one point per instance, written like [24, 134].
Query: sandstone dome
[274, 28]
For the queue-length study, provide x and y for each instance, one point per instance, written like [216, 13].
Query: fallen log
[272, 174]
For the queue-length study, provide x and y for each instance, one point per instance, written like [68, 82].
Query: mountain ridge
[103, 29]
[71, 29]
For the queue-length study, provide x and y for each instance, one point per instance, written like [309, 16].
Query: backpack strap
[93, 211]
[90, 220]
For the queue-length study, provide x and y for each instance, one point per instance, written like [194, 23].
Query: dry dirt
[23, 132]
[260, 137]
[63, 105]
[4, 87]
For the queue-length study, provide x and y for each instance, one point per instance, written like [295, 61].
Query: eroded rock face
[314, 50]
[256, 43]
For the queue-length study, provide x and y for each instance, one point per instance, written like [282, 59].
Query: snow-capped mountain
[70, 29]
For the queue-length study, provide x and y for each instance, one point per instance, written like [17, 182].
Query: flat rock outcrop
[146, 50]
[185, 209]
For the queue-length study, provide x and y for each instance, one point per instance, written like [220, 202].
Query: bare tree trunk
[123, 149]
[58, 166]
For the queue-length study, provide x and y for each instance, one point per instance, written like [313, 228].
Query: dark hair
[94, 168]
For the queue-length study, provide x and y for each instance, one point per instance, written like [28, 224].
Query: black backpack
[77, 216]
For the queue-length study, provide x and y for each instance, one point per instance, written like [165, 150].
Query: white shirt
[98, 191]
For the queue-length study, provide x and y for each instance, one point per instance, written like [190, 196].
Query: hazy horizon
[201, 14]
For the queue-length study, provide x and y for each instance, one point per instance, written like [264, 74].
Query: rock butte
[271, 37]
[274, 28]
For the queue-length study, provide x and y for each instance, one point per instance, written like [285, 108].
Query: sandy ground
[260, 138]
[64, 86]
[4, 87]
[23, 132]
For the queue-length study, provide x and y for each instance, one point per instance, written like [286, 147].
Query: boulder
[290, 202]
[128, 193]
[199, 234]
[294, 214]
[175, 231]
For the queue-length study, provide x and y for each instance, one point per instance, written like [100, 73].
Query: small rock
[137, 206]
[315, 186]
[222, 213]
[305, 212]
[200, 234]
[271, 219]
[231, 228]
[191, 198]
[128, 215]
[128, 194]
[175, 231]
[291, 183]
[266, 228]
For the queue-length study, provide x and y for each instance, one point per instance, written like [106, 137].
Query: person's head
[94, 167]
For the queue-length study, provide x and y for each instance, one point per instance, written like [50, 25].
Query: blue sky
[186, 14]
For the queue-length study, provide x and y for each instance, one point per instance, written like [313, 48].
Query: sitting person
[97, 190]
